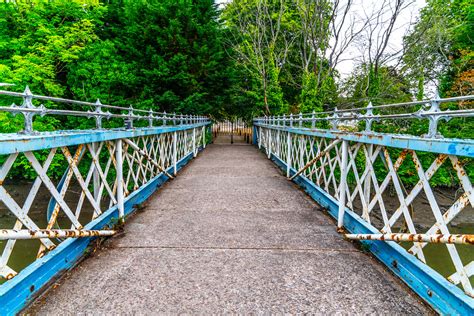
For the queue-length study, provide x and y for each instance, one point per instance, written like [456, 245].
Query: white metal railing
[361, 172]
[28, 109]
[101, 169]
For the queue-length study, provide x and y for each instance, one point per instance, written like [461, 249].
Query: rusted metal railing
[105, 174]
[360, 174]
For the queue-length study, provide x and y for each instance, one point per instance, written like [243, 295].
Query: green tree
[440, 48]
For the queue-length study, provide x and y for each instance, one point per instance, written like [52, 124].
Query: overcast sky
[403, 24]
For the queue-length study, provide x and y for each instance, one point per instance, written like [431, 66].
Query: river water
[25, 251]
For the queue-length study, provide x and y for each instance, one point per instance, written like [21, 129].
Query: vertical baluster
[342, 185]
[288, 156]
[95, 176]
[120, 184]
[194, 143]
[175, 153]
[204, 137]
[269, 141]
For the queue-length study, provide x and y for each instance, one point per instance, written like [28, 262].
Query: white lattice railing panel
[377, 190]
[88, 187]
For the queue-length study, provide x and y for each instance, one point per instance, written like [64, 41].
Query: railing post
[28, 104]
[342, 185]
[120, 186]
[288, 154]
[368, 114]
[434, 108]
[98, 114]
[175, 153]
[150, 118]
[334, 121]
[129, 119]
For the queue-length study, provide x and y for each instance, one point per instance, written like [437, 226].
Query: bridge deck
[230, 234]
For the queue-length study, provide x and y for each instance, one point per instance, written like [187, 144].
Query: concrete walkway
[230, 235]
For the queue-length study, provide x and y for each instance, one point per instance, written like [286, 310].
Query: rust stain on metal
[399, 237]
[440, 159]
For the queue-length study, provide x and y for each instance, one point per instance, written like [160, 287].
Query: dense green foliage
[441, 47]
[249, 58]
[165, 55]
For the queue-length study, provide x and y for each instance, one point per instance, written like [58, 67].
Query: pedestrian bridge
[315, 217]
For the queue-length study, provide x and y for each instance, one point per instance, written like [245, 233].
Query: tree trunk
[265, 98]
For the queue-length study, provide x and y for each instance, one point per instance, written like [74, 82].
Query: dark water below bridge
[25, 251]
